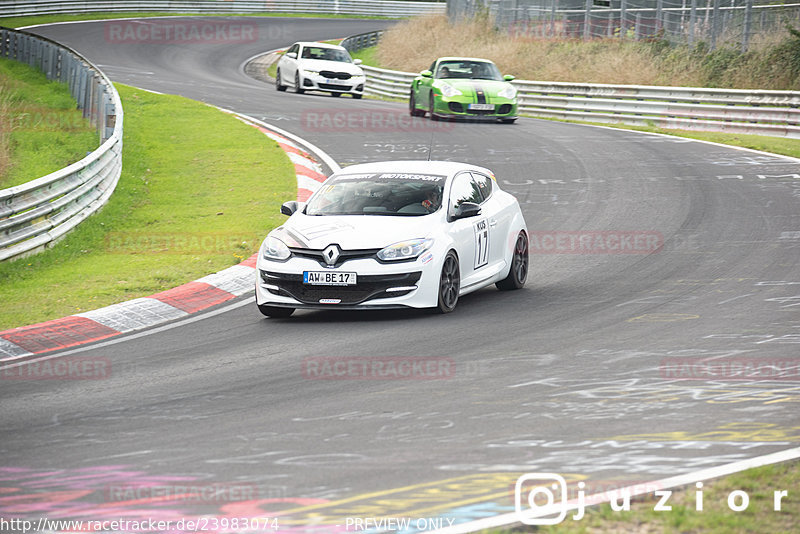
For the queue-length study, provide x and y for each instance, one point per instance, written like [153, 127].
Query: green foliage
[41, 129]
[718, 63]
[787, 54]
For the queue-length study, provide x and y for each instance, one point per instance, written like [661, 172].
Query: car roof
[448, 58]
[320, 45]
[445, 168]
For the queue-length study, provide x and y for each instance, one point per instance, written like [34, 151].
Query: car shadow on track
[472, 306]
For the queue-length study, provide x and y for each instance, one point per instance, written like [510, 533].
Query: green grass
[19, 22]
[41, 129]
[367, 56]
[195, 178]
[715, 518]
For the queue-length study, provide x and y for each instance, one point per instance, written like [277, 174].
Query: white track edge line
[134, 334]
[638, 489]
[328, 160]
[688, 139]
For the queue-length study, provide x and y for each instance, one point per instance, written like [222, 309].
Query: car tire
[449, 284]
[278, 85]
[273, 311]
[297, 89]
[518, 272]
[412, 107]
[357, 95]
[336, 94]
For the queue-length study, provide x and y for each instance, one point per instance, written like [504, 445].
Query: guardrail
[40, 212]
[354, 43]
[384, 8]
[773, 113]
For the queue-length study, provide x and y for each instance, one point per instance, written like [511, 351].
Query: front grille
[481, 111]
[334, 87]
[344, 255]
[456, 107]
[369, 287]
[505, 108]
[335, 75]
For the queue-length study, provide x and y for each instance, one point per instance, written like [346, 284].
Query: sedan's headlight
[308, 71]
[509, 91]
[274, 249]
[405, 250]
[448, 91]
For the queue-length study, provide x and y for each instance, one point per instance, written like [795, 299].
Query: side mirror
[467, 209]
[426, 74]
[288, 208]
[292, 55]
[508, 77]
[357, 62]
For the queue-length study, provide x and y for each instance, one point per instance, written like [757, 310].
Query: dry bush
[414, 44]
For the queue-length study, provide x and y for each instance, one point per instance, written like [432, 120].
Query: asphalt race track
[575, 374]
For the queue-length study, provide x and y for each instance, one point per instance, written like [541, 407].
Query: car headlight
[448, 91]
[508, 92]
[307, 71]
[274, 249]
[405, 250]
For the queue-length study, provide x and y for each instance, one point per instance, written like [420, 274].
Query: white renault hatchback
[326, 67]
[395, 234]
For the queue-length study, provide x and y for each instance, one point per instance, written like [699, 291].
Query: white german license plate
[334, 82]
[329, 278]
[481, 107]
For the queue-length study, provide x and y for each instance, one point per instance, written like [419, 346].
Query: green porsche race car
[469, 88]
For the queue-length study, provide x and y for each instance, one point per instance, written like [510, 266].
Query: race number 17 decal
[481, 244]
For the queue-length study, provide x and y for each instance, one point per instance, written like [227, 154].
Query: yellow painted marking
[727, 432]
[434, 497]
[663, 318]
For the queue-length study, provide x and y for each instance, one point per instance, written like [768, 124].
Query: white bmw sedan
[394, 234]
[320, 67]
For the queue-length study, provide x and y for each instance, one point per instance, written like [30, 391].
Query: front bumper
[317, 82]
[459, 107]
[411, 284]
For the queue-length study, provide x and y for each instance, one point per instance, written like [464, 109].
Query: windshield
[326, 54]
[474, 70]
[399, 194]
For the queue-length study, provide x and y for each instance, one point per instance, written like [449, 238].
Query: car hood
[353, 232]
[335, 66]
[469, 86]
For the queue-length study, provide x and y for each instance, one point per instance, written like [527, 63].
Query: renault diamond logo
[331, 254]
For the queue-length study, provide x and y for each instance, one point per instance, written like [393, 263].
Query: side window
[295, 48]
[432, 68]
[463, 189]
[484, 184]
